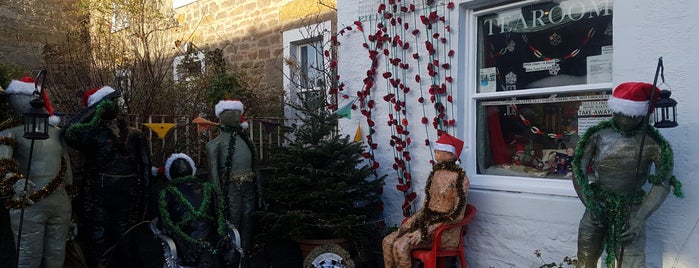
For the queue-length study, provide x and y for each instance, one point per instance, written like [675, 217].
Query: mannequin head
[20, 102]
[179, 165]
[230, 118]
[625, 122]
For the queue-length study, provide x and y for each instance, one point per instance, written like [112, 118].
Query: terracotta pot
[307, 245]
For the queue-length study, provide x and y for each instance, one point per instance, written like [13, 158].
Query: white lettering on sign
[564, 12]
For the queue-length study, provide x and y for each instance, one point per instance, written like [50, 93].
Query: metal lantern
[36, 121]
[665, 113]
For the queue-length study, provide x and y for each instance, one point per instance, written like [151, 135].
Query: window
[120, 18]
[306, 69]
[541, 77]
[310, 70]
[191, 64]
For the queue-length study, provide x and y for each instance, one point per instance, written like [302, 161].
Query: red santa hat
[27, 86]
[172, 158]
[449, 143]
[632, 98]
[233, 105]
[95, 95]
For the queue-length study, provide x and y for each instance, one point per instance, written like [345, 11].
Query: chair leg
[462, 259]
[441, 262]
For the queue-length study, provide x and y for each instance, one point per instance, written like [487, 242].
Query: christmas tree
[322, 187]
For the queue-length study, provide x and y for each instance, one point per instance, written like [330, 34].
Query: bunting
[161, 129]
[358, 133]
[203, 124]
[346, 110]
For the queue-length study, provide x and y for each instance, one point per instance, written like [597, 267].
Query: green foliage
[321, 187]
[225, 86]
[7, 73]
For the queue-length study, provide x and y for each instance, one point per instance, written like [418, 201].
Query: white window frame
[294, 39]
[176, 76]
[181, 3]
[120, 20]
[468, 37]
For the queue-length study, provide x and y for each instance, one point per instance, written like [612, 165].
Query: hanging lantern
[36, 121]
[665, 113]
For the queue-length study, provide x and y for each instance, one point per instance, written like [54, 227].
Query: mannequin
[445, 203]
[233, 167]
[116, 167]
[200, 235]
[613, 194]
[47, 206]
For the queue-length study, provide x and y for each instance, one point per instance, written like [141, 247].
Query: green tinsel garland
[78, 128]
[615, 204]
[225, 179]
[429, 217]
[194, 214]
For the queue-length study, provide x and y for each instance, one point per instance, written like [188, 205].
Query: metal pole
[24, 200]
[643, 140]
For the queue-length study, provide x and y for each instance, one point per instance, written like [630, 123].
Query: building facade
[276, 39]
[519, 82]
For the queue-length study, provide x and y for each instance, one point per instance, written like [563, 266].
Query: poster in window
[488, 79]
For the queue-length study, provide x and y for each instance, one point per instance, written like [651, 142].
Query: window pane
[545, 45]
[304, 66]
[311, 64]
[535, 136]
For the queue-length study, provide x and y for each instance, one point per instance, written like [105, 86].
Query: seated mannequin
[445, 202]
[191, 214]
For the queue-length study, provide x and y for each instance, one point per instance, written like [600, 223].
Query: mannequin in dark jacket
[116, 165]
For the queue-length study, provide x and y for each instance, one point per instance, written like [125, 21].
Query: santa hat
[95, 95]
[632, 98]
[449, 143]
[233, 105]
[27, 86]
[172, 158]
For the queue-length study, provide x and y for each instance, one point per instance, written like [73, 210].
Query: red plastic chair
[429, 256]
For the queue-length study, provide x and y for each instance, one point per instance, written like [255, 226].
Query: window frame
[177, 60]
[469, 38]
[293, 40]
[119, 20]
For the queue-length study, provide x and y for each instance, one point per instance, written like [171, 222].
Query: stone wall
[28, 26]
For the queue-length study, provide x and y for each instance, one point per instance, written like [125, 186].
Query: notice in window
[488, 80]
[599, 68]
[592, 113]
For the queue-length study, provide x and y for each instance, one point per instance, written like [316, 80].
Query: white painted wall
[510, 225]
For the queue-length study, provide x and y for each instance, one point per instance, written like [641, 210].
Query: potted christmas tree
[322, 187]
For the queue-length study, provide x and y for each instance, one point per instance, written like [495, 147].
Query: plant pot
[307, 245]
[326, 253]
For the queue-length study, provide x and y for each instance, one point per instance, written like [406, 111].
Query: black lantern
[665, 113]
[36, 121]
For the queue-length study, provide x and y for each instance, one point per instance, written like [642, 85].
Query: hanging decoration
[203, 124]
[160, 129]
[535, 129]
[346, 110]
[406, 42]
[358, 133]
